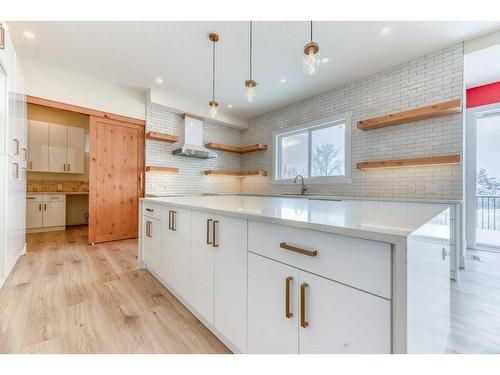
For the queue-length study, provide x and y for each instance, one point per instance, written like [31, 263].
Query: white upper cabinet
[56, 148]
[75, 150]
[38, 146]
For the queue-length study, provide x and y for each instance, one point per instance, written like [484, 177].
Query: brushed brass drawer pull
[170, 220]
[208, 231]
[214, 234]
[174, 220]
[30, 197]
[149, 209]
[288, 312]
[310, 253]
[303, 322]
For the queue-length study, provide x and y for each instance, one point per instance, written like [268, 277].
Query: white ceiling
[482, 67]
[134, 53]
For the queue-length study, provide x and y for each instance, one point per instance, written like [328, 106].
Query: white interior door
[272, 324]
[38, 146]
[337, 319]
[57, 148]
[75, 149]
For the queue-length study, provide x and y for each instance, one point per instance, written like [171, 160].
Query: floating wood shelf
[155, 169]
[170, 138]
[413, 162]
[422, 113]
[236, 149]
[236, 174]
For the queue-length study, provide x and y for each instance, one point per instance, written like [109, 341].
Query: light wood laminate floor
[67, 297]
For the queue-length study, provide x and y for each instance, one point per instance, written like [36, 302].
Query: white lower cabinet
[179, 235]
[45, 211]
[152, 244]
[316, 315]
[34, 215]
[230, 279]
[272, 324]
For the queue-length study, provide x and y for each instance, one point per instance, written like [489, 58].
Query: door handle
[288, 312]
[214, 232]
[174, 220]
[17, 146]
[310, 253]
[208, 231]
[140, 181]
[303, 322]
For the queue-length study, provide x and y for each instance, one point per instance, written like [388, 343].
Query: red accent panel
[482, 95]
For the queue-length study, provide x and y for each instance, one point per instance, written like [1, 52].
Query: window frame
[308, 128]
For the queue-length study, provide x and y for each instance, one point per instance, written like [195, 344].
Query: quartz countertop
[376, 220]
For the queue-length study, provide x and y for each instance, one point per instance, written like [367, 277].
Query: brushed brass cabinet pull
[288, 312]
[214, 233]
[64, 166]
[31, 165]
[310, 253]
[45, 206]
[69, 167]
[149, 209]
[147, 228]
[303, 322]
[169, 219]
[208, 231]
[39, 207]
[174, 220]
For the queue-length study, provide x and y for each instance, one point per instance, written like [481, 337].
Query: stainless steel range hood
[193, 140]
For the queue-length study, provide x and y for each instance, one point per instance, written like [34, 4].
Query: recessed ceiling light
[386, 30]
[28, 34]
[159, 80]
[325, 60]
[229, 106]
[283, 80]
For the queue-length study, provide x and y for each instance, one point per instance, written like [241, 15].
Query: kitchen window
[319, 151]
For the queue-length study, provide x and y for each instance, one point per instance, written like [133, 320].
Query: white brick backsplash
[422, 81]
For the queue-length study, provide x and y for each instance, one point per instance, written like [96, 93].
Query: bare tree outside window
[325, 161]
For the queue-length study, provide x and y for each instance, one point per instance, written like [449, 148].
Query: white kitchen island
[292, 275]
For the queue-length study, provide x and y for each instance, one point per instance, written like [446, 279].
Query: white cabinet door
[54, 214]
[272, 324]
[34, 215]
[339, 319]
[57, 148]
[38, 146]
[75, 150]
[230, 279]
[181, 230]
[167, 246]
[202, 265]
[151, 245]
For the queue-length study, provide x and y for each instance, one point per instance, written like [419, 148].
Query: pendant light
[250, 83]
[214, 38]
[311, 57]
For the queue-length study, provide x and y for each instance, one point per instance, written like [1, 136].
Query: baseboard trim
[48, 229]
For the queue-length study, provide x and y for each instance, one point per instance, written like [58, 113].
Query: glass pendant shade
[214, 108]
[311, 59]
[251, 92]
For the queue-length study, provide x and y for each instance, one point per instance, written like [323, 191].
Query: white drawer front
[37, 198]
[155, 211]
[54, 197]
[359, 263]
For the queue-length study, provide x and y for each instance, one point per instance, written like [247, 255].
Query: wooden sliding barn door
[115, 179]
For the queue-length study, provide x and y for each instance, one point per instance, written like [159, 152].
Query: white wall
[51, 82]
[429, 79]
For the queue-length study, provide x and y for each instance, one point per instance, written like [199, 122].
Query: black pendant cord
[311, 31]
[213, 71]
[251, 29]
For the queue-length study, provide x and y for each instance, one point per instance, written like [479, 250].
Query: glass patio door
[483, 177]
